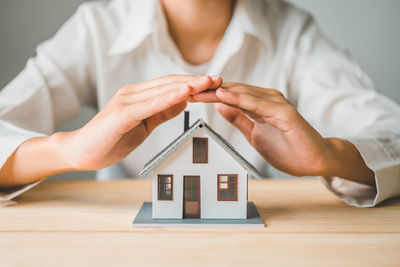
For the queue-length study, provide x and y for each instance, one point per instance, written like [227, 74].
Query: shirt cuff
[6, 194]
[387, 177]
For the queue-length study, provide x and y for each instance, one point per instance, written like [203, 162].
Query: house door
[191, 196]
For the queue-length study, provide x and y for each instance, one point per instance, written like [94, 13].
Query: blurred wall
[369, 29]
[23, 25]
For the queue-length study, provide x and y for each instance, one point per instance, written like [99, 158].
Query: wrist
[61, 148]
[345, 161]
[36, 159]
[334, 157]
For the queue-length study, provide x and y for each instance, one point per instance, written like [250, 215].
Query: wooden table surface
[83, 223]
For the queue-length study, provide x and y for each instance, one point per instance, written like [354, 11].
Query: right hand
[129, 117]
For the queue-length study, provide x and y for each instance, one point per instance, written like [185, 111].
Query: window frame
[227, 190]
[206, 150]
[161, 176]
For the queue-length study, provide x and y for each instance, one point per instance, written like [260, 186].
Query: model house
[199, 175]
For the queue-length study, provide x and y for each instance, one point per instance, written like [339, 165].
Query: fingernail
[199, 81]
[215, 77]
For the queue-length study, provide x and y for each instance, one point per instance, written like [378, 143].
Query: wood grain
[84, 223]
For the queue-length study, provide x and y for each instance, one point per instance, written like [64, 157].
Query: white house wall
[179, 163]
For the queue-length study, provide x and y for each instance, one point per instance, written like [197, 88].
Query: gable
[181, 160]
[187, 135]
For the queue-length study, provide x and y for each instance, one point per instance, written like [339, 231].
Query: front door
[191, 196]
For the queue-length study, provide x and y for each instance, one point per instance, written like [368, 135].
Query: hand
[129, 117]
[111, 135]
[282, 136]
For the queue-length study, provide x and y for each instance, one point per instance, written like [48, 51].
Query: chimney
[186, 122]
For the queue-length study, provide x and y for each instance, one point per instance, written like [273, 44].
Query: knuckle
[127, 89]
[121, 111]
[123, 90]
[149, 101]
[276, 92]
[114, 103]
[258, 102]
[171, 99]
[242, 88]
[165, 78]
[277, 98]
[288, 110]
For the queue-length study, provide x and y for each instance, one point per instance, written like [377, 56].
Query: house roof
[199, 124]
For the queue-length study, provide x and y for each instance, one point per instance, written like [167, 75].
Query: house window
[200, 150]
[165, 187]
[227, 187]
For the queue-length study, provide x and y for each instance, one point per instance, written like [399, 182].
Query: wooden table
[83, 223]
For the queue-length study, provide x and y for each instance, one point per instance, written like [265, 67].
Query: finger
[259, 106]
[253, 90]
[217, 82]
[201, 84]
[163, 80]
[152, 122]
[143, 110]
[253, 116]
[208, 96]
[197, 85]
[170, 79]
[237, 118]
[136, 136]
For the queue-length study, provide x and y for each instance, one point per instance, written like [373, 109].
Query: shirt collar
[141, 21]
[144, 19]
[253, 19]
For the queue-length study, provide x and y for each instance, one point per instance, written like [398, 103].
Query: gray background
[368, 29]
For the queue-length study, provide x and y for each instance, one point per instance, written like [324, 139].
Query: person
[281, 93]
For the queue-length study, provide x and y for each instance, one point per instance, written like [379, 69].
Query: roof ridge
[156, 160]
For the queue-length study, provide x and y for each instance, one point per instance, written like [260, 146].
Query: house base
[144, 220]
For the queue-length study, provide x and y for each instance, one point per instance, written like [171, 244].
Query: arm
[125, 122]
[335, 126]
[283, 137]
[347, 162]
[34, 159]
[49, 91]
[350, 108]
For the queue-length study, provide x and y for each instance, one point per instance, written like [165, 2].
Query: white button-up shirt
[271, 44]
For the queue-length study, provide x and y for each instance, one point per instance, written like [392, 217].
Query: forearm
[346, 162]
[33, 160]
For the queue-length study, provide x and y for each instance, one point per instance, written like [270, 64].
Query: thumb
[152, 122]
[237, 118]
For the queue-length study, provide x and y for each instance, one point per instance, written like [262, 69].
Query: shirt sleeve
[49, 91]
[339, 100]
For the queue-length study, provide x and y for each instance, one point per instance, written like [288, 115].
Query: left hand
[277, 131]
